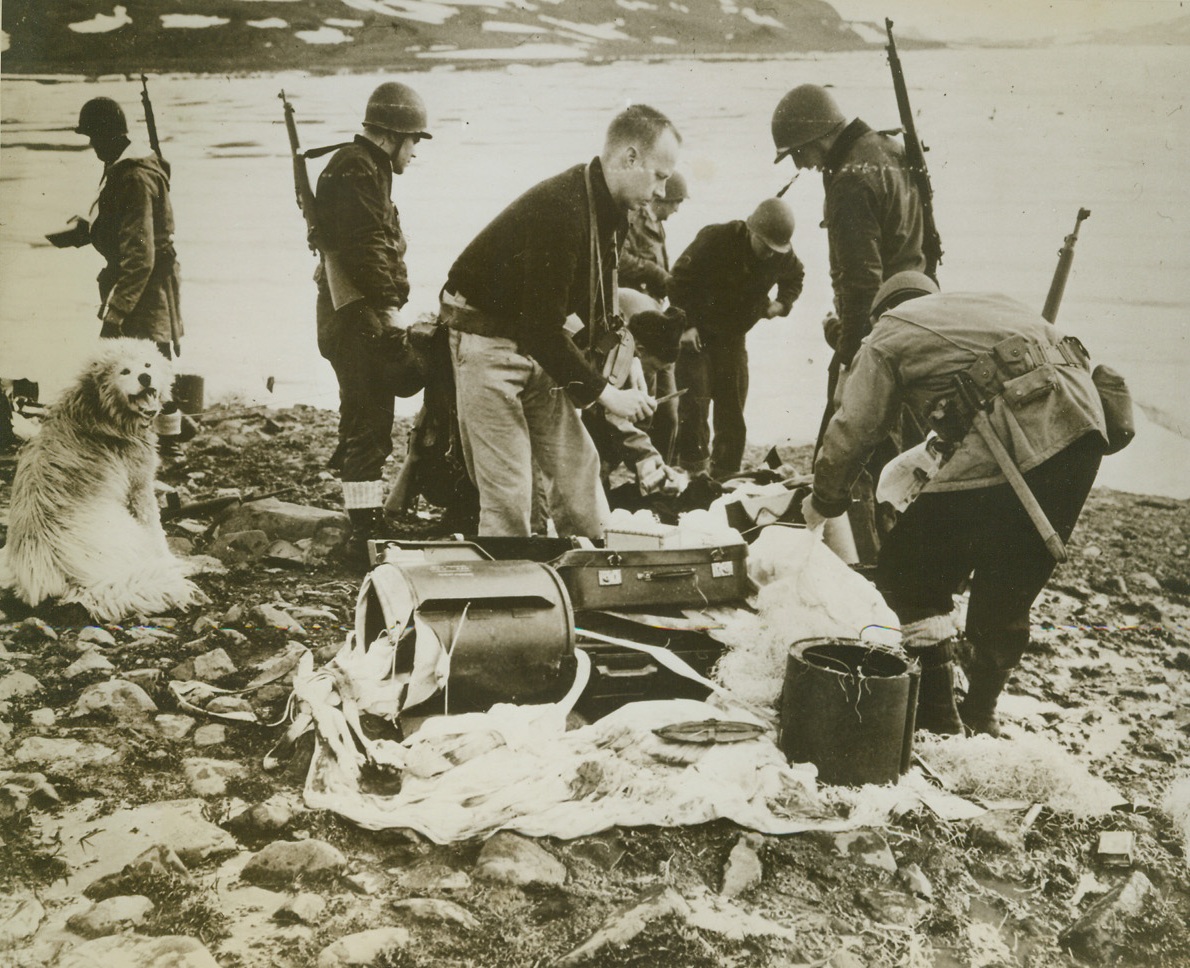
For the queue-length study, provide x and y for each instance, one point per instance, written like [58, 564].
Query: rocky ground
[139, 832]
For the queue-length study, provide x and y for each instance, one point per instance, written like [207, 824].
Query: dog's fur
[84, 526]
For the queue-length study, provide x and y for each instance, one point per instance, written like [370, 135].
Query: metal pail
[849, 708]
[188, 392]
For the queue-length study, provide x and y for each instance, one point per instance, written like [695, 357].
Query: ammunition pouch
[1117, 408]
[1017, 369]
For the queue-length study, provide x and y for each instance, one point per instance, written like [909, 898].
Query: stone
[867, 848]
[212, 734]
[205, 564]
[508, 858]
[240, 547]
[302, 908]
[146, 678]
[270, 616]
[97, 636]
[155, 863]
[431, 878]
[997, 831]
[1145, 581]
[111, 915]
[894, 907]
[230, 704]
[18, 684]
[20, 791]
[915, 881]
[265, 819]
[135, 951]
[366, 882]
[208, 778]
[626, 923]
[33, 631]
[124, 700]
[43, 717]
[284, 553]
[64, 753]
[1100, 934]
[435, 909]
[285, 862]
[90, 661]
[20, 916]
[605, 850]
[174, 727]
[213, 665]
[743, 869]
[364, 948]
[183, 671]
[281, 519]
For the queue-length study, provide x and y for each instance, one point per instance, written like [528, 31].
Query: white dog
[84, 525]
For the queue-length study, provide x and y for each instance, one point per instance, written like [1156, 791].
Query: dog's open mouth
[147, 403]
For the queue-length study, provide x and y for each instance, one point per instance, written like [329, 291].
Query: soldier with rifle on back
[879, 221]
[362, 286]
[132, 228]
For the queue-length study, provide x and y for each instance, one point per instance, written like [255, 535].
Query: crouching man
[1035, 388]
[519, 375]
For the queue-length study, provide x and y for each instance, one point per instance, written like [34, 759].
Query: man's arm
[857, 268]
[137, 252]
[868, 409]
[353, 215]
[789, 282]
[689, 283]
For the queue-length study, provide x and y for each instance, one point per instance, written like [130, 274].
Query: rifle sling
[324, 150]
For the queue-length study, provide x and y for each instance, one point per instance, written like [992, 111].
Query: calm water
[1020, 140]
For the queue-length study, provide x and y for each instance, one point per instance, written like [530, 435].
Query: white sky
[1010, 19]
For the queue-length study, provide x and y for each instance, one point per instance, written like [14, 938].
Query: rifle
[343, 290]
[1062, 272]
[915, 154]
[151, 123]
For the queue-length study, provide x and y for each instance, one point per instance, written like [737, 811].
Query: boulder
[363, 949]
[124, 700]
[1099, 935]
[111, 916]
[280, 519]
[134, 951]
[285, 862]
[208, 778]
[508, 858]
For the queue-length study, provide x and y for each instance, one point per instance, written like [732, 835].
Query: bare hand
[690, 341]
[391, 319]
[774, 309]
[832, 329]
[628, 404]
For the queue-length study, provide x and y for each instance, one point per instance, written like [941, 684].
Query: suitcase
[673, 578]
[619, 675]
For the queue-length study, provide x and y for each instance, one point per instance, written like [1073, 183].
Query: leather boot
[367, 524]
[936, 709]
[978, 709]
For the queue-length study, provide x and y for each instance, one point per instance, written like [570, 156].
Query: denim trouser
[512, 415]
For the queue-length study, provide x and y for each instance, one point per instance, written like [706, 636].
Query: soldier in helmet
[360, 233]
[139, 287]
[874, 222]
[520, 301]
[724, 283]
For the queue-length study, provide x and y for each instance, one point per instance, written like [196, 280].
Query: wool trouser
[346, 338]
[663, 431]
[716, 376]
[984, 534]
[512, 415]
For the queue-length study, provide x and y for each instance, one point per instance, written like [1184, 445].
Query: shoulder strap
[595, 281]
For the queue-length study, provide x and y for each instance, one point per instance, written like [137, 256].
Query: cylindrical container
[849, 708]
[168, 422]
[188, 392]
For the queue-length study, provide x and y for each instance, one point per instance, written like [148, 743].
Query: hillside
[97, 36]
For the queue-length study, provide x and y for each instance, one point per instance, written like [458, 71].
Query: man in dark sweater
[541, 271]
[723, 283]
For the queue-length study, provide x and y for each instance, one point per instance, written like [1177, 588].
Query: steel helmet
[805, 114]
[101, 117]
[773, 222]
[398, 108]
[675, 188]
[901, 287]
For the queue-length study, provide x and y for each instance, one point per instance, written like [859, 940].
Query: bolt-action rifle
[151, 123]
[1062, 272]
[915, 154]
[343, 290]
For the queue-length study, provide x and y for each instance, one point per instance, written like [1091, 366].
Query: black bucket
[188, 392]
[849, 708]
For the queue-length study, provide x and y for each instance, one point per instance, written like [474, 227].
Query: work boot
[936, 709]
[978, 709]
[367, 524]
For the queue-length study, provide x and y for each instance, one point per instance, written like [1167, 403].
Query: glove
[113, 324]
[832, 329]
[814, 520]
